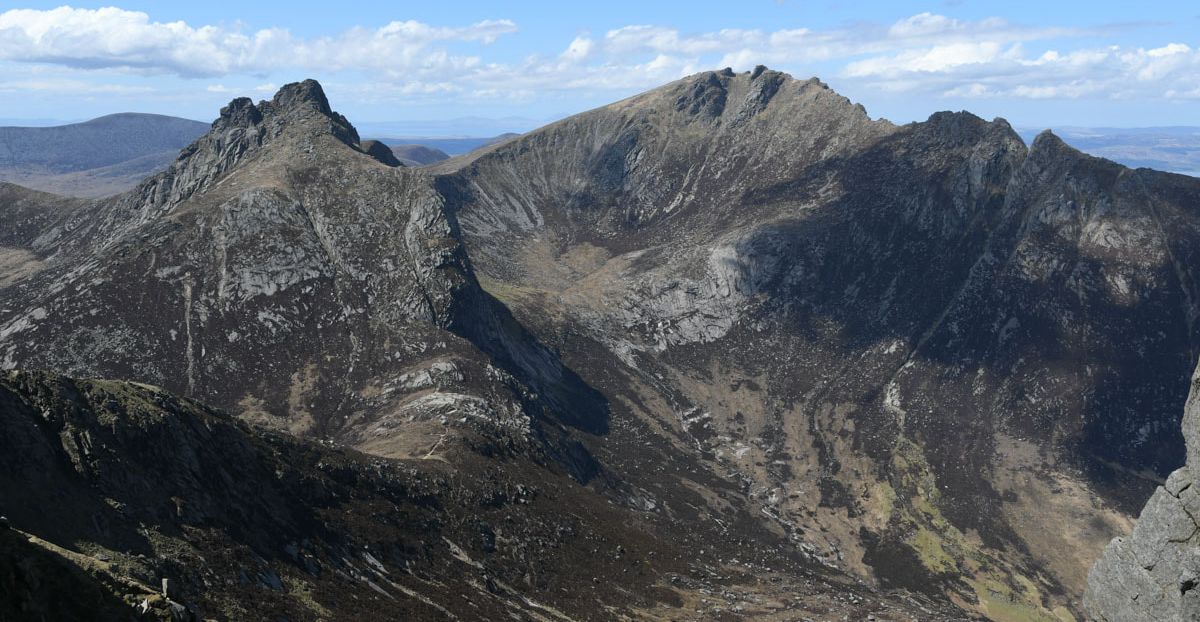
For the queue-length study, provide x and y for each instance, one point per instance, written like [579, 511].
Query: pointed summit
[297, 103]
[297, 120]
[1047, 140]
[306, 93]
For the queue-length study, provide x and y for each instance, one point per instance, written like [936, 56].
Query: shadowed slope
[888, 330]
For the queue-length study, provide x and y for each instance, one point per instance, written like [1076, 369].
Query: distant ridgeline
[1173, 149]
[96, 158]
[447, 146]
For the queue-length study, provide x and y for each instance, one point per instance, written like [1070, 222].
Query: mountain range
[728, 349]
[111, 154]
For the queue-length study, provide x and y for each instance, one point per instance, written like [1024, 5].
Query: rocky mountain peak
[295, 122]
[1050, 156]
[1049, 142]
[295, 104]
[687, 149]
[307, 93]
[1048, 149]
[241, 112]
[733, 98]
[964, 128]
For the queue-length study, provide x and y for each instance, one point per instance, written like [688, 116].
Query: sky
[1038, 64]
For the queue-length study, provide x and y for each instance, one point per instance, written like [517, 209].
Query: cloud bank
[922, 55]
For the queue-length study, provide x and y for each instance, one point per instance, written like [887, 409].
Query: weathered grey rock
[1153, 575]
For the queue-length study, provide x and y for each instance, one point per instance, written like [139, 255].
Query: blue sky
[1039, 64]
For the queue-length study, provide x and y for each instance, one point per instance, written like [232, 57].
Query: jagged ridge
[889, 306]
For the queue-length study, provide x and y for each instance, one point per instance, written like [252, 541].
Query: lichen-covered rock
[1153, 575]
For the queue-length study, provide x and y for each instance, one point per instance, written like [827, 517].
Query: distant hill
[1175, 149]
[449, 146]
[418, 155]
[457, 127]
[94, 158]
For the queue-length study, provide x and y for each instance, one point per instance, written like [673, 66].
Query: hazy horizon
[1035, 64]
[527, 125]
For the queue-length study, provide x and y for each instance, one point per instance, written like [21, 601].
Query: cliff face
[1153, 574]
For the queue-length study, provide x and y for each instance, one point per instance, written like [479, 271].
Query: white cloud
[939, 58]
[987, 69]
[925, 54]
[116, 38]
[579, 50]
[59, 86]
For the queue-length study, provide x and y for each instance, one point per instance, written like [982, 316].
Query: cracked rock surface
[1153, 574]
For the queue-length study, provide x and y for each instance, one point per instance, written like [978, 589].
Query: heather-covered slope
[111, 487]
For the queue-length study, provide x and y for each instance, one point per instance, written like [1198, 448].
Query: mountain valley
[728, 349]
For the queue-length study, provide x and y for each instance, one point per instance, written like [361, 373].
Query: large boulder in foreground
[1153, 574]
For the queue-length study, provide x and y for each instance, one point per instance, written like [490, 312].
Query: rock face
[921, 346]
[1152, 574]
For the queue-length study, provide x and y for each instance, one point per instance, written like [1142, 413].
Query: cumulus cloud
[989, 69]
[926, 54]
[579, 50]
[115, 38]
